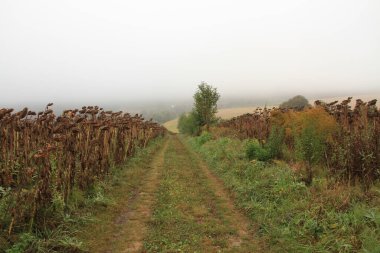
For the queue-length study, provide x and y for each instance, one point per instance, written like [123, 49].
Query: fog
[132, 53]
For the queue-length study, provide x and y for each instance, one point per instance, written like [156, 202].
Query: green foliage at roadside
[270, 150]
[254, 150]
[203, 138]
[203, 112]
[205, 104]
[326, 217]
[189, 124]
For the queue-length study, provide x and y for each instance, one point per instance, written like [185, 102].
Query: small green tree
[205, 104]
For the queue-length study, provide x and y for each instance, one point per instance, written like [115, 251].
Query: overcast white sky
[131, 50]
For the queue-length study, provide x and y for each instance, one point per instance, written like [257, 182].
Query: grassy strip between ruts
[187, 217]
[83, 225]
[292, 217]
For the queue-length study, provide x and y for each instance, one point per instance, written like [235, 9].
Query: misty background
[149, 56]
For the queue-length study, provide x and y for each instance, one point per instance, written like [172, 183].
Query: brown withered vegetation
[352, 151]
[355, 149]
[42, 154]
[252, 125]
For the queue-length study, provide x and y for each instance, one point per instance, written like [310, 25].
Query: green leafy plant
[189, 124]
[276, 141]
[309, 148]
[254, 150]
[24, 243]
[203, 138]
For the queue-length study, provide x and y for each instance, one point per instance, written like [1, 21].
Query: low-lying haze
[135, 52]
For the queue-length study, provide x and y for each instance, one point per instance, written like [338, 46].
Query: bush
[310, 147]
[272, 149]
[189, 124]
[253, 150]
[205, 137]
[276, 141]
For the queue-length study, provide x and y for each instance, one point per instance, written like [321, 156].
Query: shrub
[253, 150]
[276, 141]
[203, 138]
[272, 149]
[313, 130]
[309, 148]
[189, 124]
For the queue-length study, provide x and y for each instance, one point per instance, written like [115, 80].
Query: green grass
[187, 216]
[291, 217]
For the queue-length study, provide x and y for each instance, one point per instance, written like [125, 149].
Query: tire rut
[245, 235]
[131, 224]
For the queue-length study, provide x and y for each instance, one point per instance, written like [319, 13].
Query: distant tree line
[297, 103]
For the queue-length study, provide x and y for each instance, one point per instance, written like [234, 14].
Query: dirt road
[178, 205]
